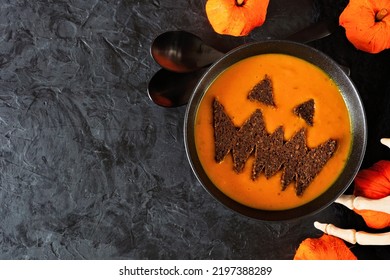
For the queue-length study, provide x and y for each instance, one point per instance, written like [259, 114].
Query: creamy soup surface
[294, 82]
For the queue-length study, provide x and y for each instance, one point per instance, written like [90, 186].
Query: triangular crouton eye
[263, 92]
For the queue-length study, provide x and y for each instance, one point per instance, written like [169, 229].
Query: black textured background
[92, 169]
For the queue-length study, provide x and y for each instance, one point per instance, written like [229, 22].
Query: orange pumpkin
[326, 247]
[367, 24]
[374, 183]
[236, 17]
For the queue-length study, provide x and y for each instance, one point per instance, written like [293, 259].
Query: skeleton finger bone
[386, 142]
[348, 235]
[363, 203]
[346, 200]
[353, 236]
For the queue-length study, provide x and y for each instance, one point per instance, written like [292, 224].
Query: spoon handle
[313, 32]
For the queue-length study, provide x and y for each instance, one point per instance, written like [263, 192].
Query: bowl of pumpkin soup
[275, 130]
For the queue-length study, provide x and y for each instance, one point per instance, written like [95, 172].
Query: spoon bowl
[172, 89]
[181, 51]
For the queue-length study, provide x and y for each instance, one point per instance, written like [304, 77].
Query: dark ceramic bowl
[351, 98]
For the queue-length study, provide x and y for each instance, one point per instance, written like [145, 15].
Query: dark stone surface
[92, 169]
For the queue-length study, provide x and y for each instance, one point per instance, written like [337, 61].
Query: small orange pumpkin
[236, 17]
[374, 183]
[367, 24]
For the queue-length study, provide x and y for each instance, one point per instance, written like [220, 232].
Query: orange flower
[374, 183]
[236, 17]
[326, 247]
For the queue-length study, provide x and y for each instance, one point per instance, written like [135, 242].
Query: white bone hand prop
[353, 236]
[360, 203]
[363, 203]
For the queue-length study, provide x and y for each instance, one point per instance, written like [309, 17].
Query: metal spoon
[183, 57]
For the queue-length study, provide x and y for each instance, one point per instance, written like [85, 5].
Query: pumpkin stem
[381, 14]
[240, 2]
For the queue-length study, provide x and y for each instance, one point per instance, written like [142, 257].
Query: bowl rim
[351, 98]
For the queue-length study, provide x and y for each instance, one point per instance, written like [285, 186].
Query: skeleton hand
[360, 203]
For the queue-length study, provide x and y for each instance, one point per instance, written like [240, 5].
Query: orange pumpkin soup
[294, 82]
